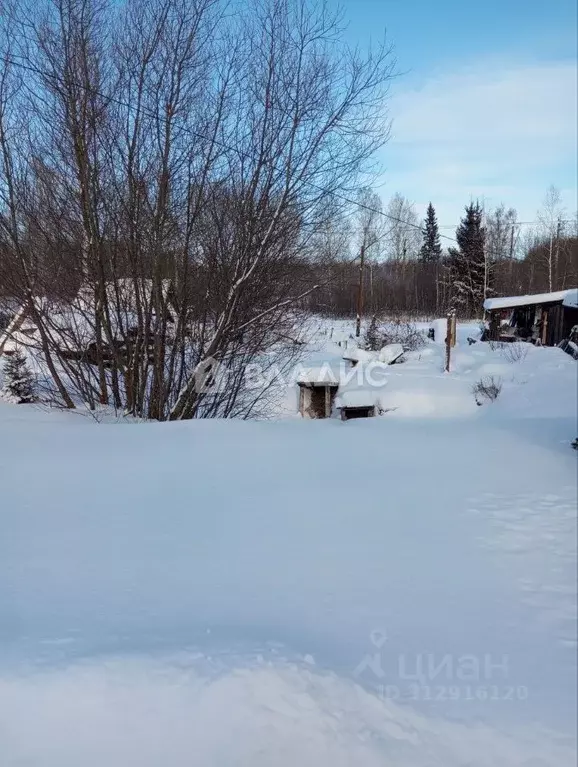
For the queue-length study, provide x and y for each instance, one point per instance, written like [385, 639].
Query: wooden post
[360, 292]
[494, 327]
[450, 337]
[544, 327]
[327, 402]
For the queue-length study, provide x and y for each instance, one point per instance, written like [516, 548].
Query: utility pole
[511, 259]
[557, 250]
[512, 242]
[371, 301]
[550, 258]
[360, 292]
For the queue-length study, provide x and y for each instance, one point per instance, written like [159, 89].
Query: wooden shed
[542, 318]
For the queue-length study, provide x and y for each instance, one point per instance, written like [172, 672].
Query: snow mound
[440, 328]
[127, 712]
[359, 355]
[390, 353]
[296, 592]
[357, 398]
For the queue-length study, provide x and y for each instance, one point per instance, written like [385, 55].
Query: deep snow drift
[394, 591]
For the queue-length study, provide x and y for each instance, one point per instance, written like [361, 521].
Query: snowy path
[269, 591]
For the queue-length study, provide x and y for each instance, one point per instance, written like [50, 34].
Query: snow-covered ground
[397, 591]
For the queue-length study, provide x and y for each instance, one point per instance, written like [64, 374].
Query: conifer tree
[431, 249]
[372, 340]
[19, 382]
[470, 265]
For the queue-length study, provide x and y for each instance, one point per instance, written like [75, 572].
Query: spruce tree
[431, 250]
[372, 340]
[19, 382]
[471, 268]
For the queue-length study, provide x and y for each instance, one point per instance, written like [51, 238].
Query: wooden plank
[544, 335]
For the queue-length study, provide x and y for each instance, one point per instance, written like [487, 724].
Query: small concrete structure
[317, 391]
[357, 403]
[354, 393]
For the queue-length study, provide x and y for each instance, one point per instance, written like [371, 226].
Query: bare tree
[371, 231]
[312, 122]
[501, 232]
[405, 237]
[551, 222]
[174, 164]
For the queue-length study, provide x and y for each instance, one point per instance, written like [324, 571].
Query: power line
[186, 129]
[513, 223]
[196, 134]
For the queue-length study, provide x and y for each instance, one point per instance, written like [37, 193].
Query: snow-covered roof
[358, 355]
[537, 298]
[571, 298]
[357, 398]
[319, 375]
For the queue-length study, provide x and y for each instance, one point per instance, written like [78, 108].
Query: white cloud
[504, 132]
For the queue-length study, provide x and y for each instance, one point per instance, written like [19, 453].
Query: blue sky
[486, 106]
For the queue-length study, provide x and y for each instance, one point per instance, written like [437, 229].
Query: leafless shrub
[514, 352]
[487, 389]
[394, 331]
[399, 331]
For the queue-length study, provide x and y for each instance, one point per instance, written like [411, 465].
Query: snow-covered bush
[575, 444]
[516, 351]
[487, 388]
[394, 331]
[404, 333]
[19, 383]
